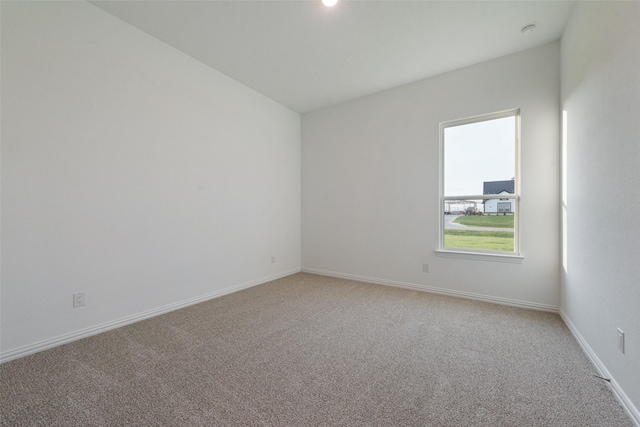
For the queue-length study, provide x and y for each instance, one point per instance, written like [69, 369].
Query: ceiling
[307, 56]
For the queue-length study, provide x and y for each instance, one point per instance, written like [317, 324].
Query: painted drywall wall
[370, 171]
[131, 172]
[601, 97]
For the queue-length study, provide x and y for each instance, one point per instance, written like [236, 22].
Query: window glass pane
[478, 152]
[467, 226]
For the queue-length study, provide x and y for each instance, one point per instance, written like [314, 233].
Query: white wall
[601, 95]
[133, 173]
[370, 180]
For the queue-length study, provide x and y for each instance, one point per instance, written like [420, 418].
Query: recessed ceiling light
[528, 29]
[329, 3]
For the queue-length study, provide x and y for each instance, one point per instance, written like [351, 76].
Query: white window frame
[513, 257]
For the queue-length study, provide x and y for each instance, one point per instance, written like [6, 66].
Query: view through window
[480, 183]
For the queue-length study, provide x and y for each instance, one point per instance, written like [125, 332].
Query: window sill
[479, 256]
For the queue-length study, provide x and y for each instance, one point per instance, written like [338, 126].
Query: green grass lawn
[500, 221]
[482, 240]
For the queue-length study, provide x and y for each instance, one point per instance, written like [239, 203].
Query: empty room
[301, 213]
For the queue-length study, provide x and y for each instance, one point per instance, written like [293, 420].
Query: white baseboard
[435, 290]
[103, 327]
[617, 391]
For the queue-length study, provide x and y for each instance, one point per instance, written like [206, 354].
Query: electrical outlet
[425, 268]
[273, 259]
[621, 340]
[78, 299]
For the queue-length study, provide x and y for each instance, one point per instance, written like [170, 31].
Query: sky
[478, 152]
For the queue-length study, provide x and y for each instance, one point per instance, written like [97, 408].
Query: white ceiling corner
[307, 56]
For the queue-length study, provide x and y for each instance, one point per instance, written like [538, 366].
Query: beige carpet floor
[308, 350]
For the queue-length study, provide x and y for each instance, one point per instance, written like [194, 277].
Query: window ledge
[480, 256]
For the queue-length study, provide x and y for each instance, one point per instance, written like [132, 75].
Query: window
[479, 187]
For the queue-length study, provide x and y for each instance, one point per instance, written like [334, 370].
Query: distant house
[499, 206]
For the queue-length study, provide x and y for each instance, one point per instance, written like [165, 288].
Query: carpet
[309, 350]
